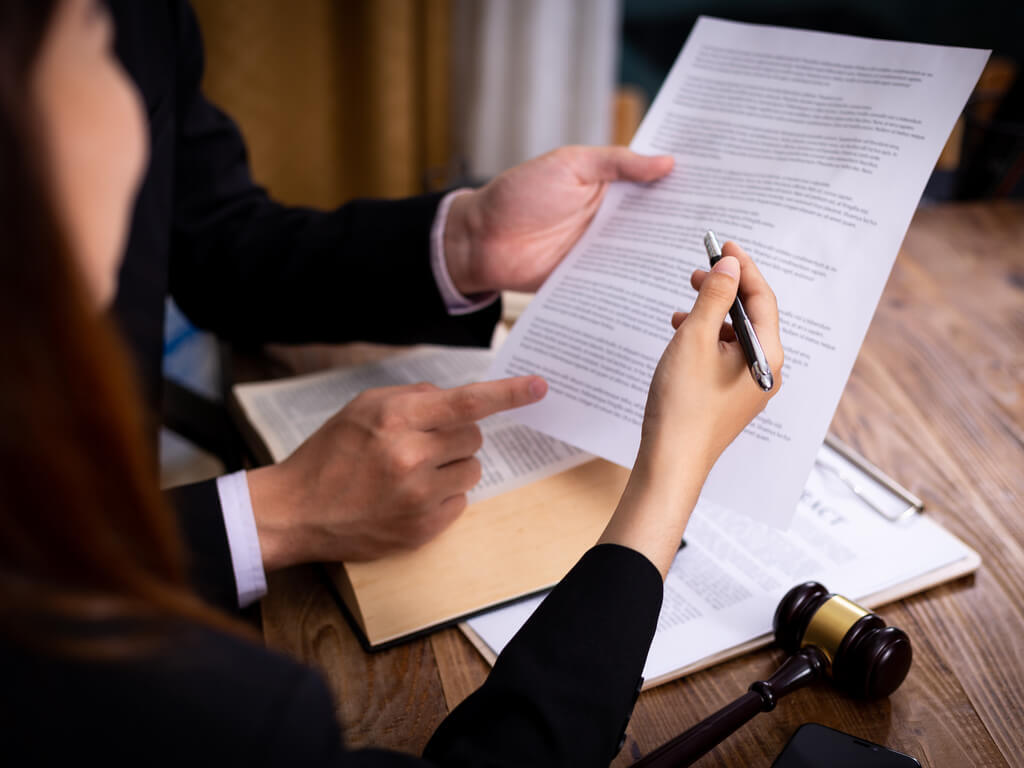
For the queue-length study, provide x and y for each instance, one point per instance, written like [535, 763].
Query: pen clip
[760, 371]
[712, 246]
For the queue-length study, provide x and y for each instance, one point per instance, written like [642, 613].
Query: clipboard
[855, 475]
[866, 481]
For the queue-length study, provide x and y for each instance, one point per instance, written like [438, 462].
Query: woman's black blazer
[560, 694]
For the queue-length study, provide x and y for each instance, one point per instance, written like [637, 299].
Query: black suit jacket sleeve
[253, 270]
[562, 691]
[559, 694]
[201, 522]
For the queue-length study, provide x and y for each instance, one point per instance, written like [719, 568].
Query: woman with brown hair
[106, 652]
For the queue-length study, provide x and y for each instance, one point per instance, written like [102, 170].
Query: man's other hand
[386, 473]
[511, 233]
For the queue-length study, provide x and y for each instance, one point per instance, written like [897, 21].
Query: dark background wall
[986, 158]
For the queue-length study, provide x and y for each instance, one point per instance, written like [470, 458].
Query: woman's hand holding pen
[702, 396]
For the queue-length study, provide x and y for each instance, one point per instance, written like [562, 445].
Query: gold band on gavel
[830, 623]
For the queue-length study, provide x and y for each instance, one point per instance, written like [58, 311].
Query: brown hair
[85, 533]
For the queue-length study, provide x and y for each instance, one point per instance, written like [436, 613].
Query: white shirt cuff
[243, 539]
[455, 302]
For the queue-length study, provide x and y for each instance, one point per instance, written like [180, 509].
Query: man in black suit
[392, 468]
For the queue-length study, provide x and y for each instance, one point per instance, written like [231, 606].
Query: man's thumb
[596, 164]
[716, 294]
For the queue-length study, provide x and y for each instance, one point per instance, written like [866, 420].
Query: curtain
[531, 75]
[336, 98]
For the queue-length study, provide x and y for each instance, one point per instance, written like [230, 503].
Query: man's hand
[511, 233]
[388, 472]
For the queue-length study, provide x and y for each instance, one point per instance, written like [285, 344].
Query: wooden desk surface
[936, 399]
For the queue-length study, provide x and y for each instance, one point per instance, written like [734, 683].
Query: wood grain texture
[937, 400]
[944, 360]
[461, 668]
[391, 699]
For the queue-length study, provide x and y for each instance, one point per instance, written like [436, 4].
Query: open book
[539, 505]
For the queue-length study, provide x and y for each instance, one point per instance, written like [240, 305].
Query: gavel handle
[801, 669]
[689, 746]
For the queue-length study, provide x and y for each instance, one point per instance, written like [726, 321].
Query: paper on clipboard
[722, 589]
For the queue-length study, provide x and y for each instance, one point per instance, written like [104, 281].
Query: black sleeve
[201, 522]
[562, 691]
[253, 270]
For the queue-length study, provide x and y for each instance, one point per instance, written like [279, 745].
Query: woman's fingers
[758, 300]
[757, 296]
[726, 333]
[717, 293]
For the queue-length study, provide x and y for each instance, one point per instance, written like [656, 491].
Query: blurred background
[387, 98]
[346, 98]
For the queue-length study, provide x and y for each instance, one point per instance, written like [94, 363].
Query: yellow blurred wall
[336, 98]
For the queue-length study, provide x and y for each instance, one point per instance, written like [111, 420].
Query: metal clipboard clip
[858, 476]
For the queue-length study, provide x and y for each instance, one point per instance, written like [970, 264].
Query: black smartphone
[817, 746]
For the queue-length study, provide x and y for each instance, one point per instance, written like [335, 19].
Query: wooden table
[936, 399]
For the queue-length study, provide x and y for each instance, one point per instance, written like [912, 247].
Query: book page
[811, 151]
[286, 412]
[725, 584]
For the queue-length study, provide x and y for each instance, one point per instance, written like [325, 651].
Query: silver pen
[759, 367]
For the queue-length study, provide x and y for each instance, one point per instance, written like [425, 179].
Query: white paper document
[808, 149]
[287, 411]
[724, 585]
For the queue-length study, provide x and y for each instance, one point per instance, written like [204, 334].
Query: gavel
[826, 635]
